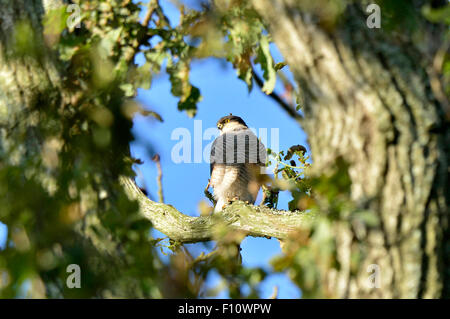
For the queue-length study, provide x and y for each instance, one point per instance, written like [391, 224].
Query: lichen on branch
[256, 221]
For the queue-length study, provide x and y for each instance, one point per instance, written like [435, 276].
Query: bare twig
[157, 160]
[285, 106]
[208, 194]
[274, 293]
[152, 6]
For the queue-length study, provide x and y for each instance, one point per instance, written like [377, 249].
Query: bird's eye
[227, 121]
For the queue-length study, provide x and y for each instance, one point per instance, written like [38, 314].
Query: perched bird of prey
[237, 157]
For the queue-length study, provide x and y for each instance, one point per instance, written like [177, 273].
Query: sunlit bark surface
[368, 100]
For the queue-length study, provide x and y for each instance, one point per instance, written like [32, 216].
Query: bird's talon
[233, 199]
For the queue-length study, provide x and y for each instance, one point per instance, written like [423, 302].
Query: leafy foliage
[60, 157]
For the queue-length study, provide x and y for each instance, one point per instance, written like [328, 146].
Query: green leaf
[299, 102]
[55, 21]
[189, 95]
[279, 66]
[143, 76]
[264, 58]
[293, 204]
[128, 89]
[437, 15]
[245, 74]
[190, 103]
[156, 58]
[109, 41]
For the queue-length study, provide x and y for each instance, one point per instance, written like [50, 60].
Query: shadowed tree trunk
[367, 99]
[35, 110]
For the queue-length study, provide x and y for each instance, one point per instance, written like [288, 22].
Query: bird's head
[231, 123]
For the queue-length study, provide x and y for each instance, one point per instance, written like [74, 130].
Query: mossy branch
[252, 220]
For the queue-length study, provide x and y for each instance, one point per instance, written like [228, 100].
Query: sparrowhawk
[237, 156]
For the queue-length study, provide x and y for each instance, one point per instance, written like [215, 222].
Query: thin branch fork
[252, 220]
[283, 104]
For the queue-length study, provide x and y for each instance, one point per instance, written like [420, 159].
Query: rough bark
[368, 100]
[25, 79]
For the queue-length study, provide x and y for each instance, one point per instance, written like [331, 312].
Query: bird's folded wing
[238, 147]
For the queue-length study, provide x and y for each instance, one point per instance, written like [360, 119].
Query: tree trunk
[368, 100]
[35, 108]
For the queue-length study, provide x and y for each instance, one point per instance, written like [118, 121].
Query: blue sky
[183, 183]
